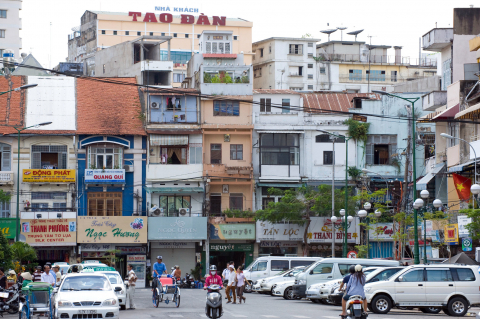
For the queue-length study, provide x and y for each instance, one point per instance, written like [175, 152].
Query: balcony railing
[382, 59]
[228, 171]
[381, 78]
[6, 177]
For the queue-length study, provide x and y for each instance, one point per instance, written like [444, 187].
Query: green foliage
[395, 162]
[362, 251]
[5, 253]
[289, 208]
[196, 272]
[23, 253]
[236, 213]
[245, 79]
[4, 196]
[357, 130]
[323, 201]
[354, 172]
[227, 79]
[207, 78]
[111, 257]
[474, 226]
[238, 80]
[306, 35]
[216, 79]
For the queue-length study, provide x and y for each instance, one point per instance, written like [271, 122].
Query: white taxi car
[266, 284]
[116, 281]
[284, 289]
[86, 295]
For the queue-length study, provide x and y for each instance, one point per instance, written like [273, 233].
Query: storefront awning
[279, 185]
[280, 132]
[473, 112]
[174, 190]
[448, 113]
[460, 167]
[164, 140]
[422, 183]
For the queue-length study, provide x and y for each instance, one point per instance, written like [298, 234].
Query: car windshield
[114, 278]
[79, 283]
[64, 269]
[297, 270]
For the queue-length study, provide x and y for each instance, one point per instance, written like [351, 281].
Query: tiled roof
[12, 105]
[219, 56]
[265, 91]
[107, 108]
[337, 102]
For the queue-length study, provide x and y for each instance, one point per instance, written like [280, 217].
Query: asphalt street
[192, 305]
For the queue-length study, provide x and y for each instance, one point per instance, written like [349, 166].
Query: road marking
[176, 316]
[300, 317]
[238, 316]
[269, 316]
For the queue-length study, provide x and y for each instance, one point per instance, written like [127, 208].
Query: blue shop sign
[184, 228]
[105, 176]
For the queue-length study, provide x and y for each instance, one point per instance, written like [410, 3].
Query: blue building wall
[186, 110]
[380, 249]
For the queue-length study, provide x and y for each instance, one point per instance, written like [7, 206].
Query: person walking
[37, 275]
[240, 283]
[58, 275]
[48, 276]
[132, 279]
[356, 286]
[231, 285]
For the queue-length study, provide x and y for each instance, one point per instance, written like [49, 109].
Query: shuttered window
[380, 148]
[49, 156]
[6, 155]
[104, 204]
[216, 153]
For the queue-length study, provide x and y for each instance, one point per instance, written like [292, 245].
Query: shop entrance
[220, 259]
[221, 254]
[52, 255]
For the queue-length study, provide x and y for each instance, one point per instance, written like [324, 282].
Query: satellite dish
[330, 31]
[355, 33]
[341, 30]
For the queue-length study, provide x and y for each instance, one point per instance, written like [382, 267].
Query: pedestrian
[56, 270]
[12, 276]
[37, 275]
[240, 283]
[177, 273]
[132, 279]
[159, 269]
[231, 285]
[3, 278]
[48, 276]
[225, 272]
[26, 278]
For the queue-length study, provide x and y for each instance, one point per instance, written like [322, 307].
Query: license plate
[87, 312]
[357, 306]
[3, 294]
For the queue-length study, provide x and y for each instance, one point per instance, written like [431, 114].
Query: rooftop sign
[184, 18]
[176, 9]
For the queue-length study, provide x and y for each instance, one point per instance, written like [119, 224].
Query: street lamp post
[23, 87]
[18, 172]
[418, 204]
[414, 171]
[334, 220]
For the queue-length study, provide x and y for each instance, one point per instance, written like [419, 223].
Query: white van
[268, 266]
[333, 268]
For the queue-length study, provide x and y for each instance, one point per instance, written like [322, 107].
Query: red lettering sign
[166, 17]
[187, 19]
[184, 18]
[150, 17]
[135, 15]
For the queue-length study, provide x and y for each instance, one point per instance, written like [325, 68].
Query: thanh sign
[48, 176]
[184, 18]
[320, 230]
[279, 232]
[180, 228]
[50, 232]
[8, 227]
[105, 176]
[232, 231]
[112, 229]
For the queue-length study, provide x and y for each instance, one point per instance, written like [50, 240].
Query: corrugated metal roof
[336, 102]
[266, 91]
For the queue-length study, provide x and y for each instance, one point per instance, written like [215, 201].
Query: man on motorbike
[213, 278]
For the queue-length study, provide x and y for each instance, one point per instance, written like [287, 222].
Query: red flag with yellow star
[462, 185]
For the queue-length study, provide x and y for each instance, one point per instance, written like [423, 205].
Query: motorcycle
[355, 308]
[10, 299]
[213, 308]
[189, 281]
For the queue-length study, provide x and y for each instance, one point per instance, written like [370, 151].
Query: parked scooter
[213, 308]
[10, 299]
[189, 281]
[355, 308]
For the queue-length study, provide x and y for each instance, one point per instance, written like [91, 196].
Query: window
[344, 269]
[261, 52]
[59, 206]
[127, 32]
[198, 36]
[2, 33]
[260, 266]
[453, 130]
[236, 151]
[296, 49]
[103, 31]
[181, 57]
[139, 33]
[174, 35]
[327, 157]
[322, 269]
[393, 76]
[267, 200]
[5, 156]
[380, 148]
[265, 105]
[285, 105]
[49, 157]
[162, 34]
[104, 204]
[322, 70]
[104, 69]
[3, 14]
[300, 70]
[195, 154]
[310, 44]
[49, 195]
[376, 75]
[5, 210]
[438, 274]
[464, 274]
[235, 37]
[296, 263]
[269, 49]
[280, 265]
[310, 65]
[226, 108]
[279, 149]
[172, 154]
[178, 77]
[357, 103]
[384, 275]
[39, 207]
[296, 88]
[114, 32]
[325, 138]
[310, 55]
[215, 153]
[105, 157]
[413, 276]
[310, 76]
[355, 75]
[171, 204]
[186, 35]
[236, 201]
[310, 87]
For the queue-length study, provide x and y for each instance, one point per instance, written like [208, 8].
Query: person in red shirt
[213, 278]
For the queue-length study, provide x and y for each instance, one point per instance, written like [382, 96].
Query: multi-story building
[10, 26]
[100, 30]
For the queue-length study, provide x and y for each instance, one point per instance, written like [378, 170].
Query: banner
[467, 244]
[105, 176]
[279, 232]
[136, 258]
[462, 222]
[451, 234]
[8, 227]
[320, 230]
[112, 229]
[232, 231]
[50, 232]
[183, 228]
[231, 247]
[48, 176]
[97, 247]
[381, 231]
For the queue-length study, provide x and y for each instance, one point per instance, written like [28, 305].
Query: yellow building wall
[234, 188]
[245, 140]
[245, 117]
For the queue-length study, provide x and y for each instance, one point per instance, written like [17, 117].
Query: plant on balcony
[236, 213]
[245, 79]
[227, 79]
[354, 172]
[216, 79]
[92, 166]
[238, 80]
[207, 78]
[357, 130]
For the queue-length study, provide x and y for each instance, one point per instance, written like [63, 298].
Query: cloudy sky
[47, 23]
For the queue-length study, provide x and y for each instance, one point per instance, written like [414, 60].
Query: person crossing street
[231, 284]
[132, 279]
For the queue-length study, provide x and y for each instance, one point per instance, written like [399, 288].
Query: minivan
[333, 268]
[268, 266]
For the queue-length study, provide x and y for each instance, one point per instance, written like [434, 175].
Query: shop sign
[183, 228]
[451, 234]
[231, 247]
[173, 244]
[320, 230]
[132, 250]
[232, 231]
[48, 176]
[184, 18]
[97, 247]
[381, 231]
[279, 232]
[8, 226]
[462, 222]
[277, 244]
[112, 229]
[95, 254]
[137, 258]
[50, 232]
[467, 244]
[105, 176]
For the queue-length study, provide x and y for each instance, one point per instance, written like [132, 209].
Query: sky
[47, 23]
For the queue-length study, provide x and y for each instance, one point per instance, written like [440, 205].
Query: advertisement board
[50, 232]
[112, 229]
[451, 234]
[8, 227]
[279, 232]
[320, 230]
[48, 176]
[232, 231]
[462, 222]
[105, 176]
[381, 231]
[183, 228]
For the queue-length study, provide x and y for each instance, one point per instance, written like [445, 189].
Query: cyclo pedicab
[38, 300]
[166, 287]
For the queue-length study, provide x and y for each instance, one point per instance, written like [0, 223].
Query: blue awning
[174, 190]
[460, 167]
[422, 183]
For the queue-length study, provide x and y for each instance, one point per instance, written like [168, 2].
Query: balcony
[226, 80]
[379, 79]
[379, 59]
[437, 39]
[163, 172]
[434, 100]
[222, 170]
[6, 178]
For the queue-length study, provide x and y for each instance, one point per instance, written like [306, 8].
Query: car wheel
[457, 307]
[381, 304]
[433, 310]
[445, 311]
[315, 300]
[123, 307]
[248, 288]
[288, 294]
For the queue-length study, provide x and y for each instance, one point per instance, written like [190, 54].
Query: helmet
[358, 268]
[213, 270]
[352, 269]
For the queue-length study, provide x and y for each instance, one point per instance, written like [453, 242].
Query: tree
[23, 252]
[5, 252]
[474, 226]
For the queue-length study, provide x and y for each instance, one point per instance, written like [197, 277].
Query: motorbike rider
[344, 283]
[213, 278]
[356, 286]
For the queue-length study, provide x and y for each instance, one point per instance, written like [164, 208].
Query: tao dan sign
[112, 229]
[184, 18]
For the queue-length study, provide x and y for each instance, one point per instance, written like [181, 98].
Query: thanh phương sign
[50, 232]
[112, 229]
[320, 230]
[232, 231]
[105, 176]
[183, 228]
[279, 232]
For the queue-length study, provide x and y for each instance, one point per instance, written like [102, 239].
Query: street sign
[352, 254]
[466, 244]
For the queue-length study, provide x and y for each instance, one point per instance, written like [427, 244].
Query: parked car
[284, 289]
[116, 281]
[268, 266]
[432, 288]
[332, 268]
[83, 266]
[266, 284]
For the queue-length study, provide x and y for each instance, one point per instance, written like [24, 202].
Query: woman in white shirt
[240, 280]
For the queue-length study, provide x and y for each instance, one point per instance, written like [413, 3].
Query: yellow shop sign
[49, 175]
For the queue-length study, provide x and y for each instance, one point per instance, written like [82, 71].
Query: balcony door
[5, 156]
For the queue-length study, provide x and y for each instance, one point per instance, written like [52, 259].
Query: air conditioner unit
[128, 168]
[183, 211]
[155, 105]
[58, 197]
[155, 211]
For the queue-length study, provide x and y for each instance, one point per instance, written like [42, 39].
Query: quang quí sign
[105, 176]
[279, 232]
[8, 227]
[112, 229]
[184, 18]
[48, 176]
[320, 230]
[50, 232]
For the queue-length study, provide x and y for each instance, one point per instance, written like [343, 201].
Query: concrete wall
[461, 55]
[12, 25]
[421, 85]
[244, 118]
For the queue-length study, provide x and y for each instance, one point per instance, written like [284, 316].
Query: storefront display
[138, 263]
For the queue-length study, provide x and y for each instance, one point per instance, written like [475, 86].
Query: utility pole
[405, 174]
[206, 213]
[333, 195]
[369, 58]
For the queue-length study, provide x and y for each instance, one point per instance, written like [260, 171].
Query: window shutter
[300, 49]
[268, 107]
[36, 160]
[6, 160]
[262, 105]
[369, 154]
[62, 160]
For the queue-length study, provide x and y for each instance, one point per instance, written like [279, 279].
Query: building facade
[10, 26]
